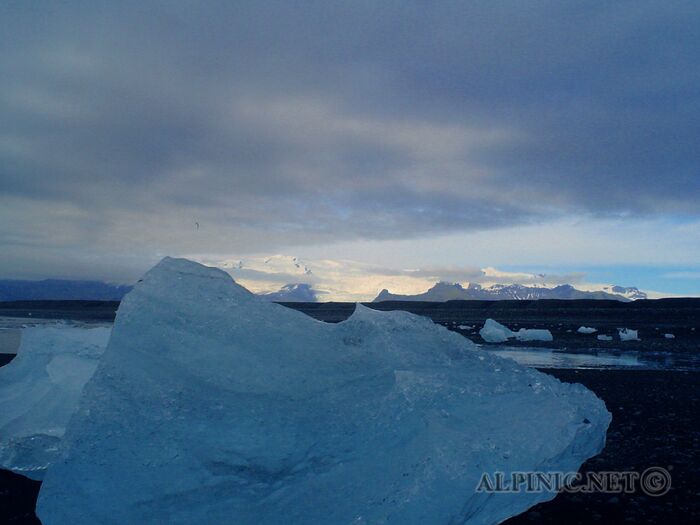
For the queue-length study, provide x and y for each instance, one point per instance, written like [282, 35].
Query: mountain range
[292, 293]
[443, 291]
[61, 289]
[58, 289]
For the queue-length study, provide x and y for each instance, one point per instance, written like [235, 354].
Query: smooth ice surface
[494, 332]
[39, 391]
[586, 330]
[627, 334]
[213, 406]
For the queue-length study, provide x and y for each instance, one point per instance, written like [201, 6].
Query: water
[599, 359]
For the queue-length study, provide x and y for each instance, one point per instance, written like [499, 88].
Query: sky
[556, 138]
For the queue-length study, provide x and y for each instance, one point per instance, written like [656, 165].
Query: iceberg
[586, 330]
[495, 332]
[210, 405]
[39, 392]
[627, 334]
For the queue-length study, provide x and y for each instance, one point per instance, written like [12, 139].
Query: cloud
[347, 280]
[275, 125]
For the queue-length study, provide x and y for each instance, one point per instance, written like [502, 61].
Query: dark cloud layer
[279, 123]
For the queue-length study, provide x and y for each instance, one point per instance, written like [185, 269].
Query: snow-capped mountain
[293, 293]
[631, 292]
[443, 291]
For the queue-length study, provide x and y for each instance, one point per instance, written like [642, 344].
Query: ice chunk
[39, 391]
[586, 330]
[532, 334]
[213, 406]
[494, 332]
[628, 335]
[669, 336]
[603, 337]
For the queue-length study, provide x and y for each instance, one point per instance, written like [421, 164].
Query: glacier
[39, 391]
[210, 405]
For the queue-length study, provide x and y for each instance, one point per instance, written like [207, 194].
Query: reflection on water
[546, 358]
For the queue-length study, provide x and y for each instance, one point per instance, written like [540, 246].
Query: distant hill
[60, 289]
[292, 293]
[443, 291]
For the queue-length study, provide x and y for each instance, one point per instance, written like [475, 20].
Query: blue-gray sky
[470, 134]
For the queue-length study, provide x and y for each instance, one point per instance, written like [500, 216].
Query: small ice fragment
[626, 334]
[494, 332]
[603, 337]
[669, 336]
[586, 330]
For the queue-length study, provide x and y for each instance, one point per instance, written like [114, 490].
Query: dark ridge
[73, 310]
[601, 311]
